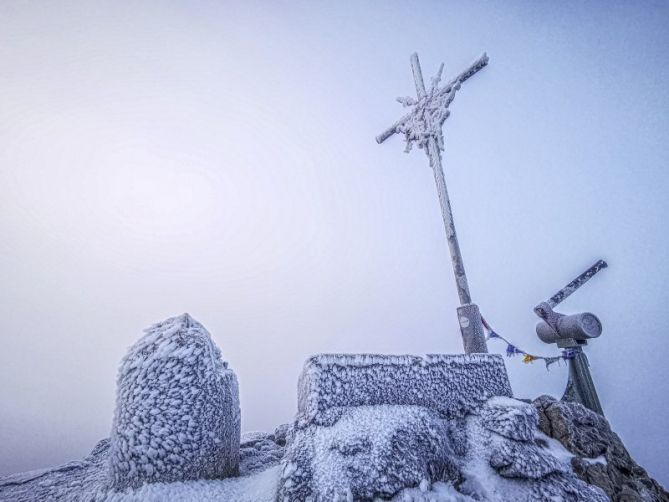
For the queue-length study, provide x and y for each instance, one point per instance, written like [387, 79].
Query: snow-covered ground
[260, 487]
[440, 428]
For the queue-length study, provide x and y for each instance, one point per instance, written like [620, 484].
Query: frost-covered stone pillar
[177, 409]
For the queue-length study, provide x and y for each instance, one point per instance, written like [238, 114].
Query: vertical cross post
[423, 126]
[434, 155]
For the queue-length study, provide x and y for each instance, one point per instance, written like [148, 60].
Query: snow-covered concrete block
[452, 385]
[511, 418]
[177, 411]
[372, 451]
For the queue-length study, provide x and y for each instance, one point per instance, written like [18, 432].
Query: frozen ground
[260, 487]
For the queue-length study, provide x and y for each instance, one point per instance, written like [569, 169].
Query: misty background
[218, 158]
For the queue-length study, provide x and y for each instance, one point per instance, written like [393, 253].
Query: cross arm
[392, 129]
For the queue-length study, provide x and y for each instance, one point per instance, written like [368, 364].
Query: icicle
[436, 79]
[407, 101]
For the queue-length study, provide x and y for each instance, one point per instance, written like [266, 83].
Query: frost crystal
[430, 110]
[510, 418]
[177, 411]
[258, 451]
[372, 451]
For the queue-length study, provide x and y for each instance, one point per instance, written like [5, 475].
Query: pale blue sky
[219, 158]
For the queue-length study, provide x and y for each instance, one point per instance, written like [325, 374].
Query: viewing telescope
[571, 332]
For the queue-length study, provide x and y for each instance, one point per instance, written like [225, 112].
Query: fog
[218, 158]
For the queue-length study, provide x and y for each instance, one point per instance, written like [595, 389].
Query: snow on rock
[177, 410]
[510, 418]
[259, 451]
[282, 434]
[451, 385]
[497, 467]
[413, 453]
[371, 451]
[73, 481]
[372, 426]
[524, 460]
[87, 481]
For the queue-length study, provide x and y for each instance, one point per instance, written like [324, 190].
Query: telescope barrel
[580, 327]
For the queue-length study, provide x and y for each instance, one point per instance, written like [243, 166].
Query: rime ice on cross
[423, 126]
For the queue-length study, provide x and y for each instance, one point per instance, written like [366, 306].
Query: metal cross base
[471, 328]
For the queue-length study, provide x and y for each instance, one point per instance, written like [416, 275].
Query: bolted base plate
[471, 328]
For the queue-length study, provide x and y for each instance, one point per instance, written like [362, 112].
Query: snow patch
[260, 487]
[370, 451]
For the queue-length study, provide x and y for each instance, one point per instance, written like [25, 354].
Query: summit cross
[423, 126]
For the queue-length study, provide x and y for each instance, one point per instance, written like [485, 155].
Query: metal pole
[580, 387]
[447, 214]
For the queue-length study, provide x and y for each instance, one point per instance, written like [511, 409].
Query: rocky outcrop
[524, 460]
[75, 481]
[599, 456]
[177, 410]
[504, 462]
[371, 451]
[386, 451]
[510, 418]
[260, 450]
[372, 426]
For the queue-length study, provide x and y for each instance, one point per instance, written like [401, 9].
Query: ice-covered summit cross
[423, 126]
